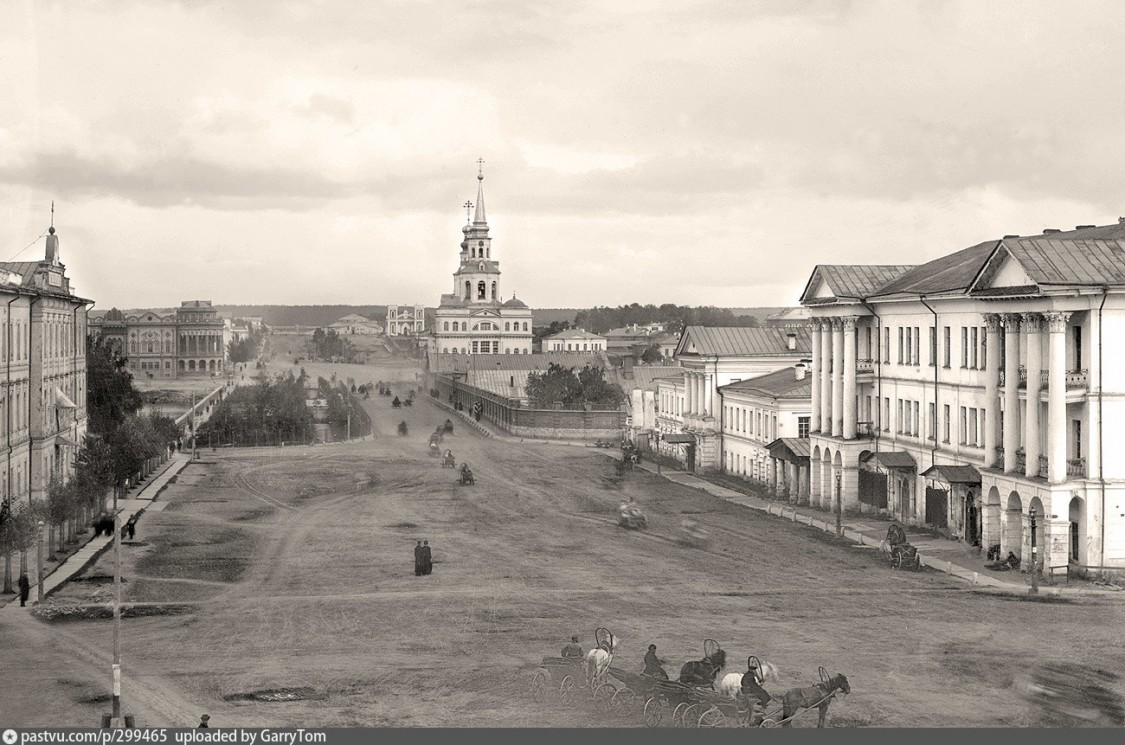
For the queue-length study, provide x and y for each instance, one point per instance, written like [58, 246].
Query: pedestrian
[25, 589]
[418, 560]
[203, 722]
[131, 526]
[427, 559]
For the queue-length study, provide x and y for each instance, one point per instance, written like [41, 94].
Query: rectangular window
[901, 331]
[887, 414]
[964, 347]
[917, 357]
[867, 333]
[803, 427]
[932, 422]
[984, 349]
[948, 351]
[909, 347]
[869, 420]
[887, 345]
[964, 434]
[1077, 451]
[974, 346]
[972, 439]
[1077, 348]
[917, 424]
[898, 420]
[773, 427]
[946, 425]
[933, 346]
[980, 442]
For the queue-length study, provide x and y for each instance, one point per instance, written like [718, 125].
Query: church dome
[513, 303]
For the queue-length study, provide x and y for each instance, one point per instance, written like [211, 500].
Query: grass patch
[403, 525]
[1027, 597]
[63, 614]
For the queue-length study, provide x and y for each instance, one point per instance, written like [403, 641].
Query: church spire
[479, 216]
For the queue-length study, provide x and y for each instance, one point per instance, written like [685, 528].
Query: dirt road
[297, 566]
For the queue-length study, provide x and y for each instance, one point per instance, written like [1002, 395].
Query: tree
[652, 354]
[17, 534]
[110, 394]
[572, 389]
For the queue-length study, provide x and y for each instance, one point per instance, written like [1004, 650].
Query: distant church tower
[473, 319]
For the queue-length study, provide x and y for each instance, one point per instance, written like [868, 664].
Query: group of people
[423, 560]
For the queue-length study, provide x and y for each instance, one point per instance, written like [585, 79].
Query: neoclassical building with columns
[969, 392]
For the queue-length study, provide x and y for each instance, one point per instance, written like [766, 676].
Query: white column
[837, 377]
[849, 379]
[1011, 391]
[709, 394]
[826, 377]
[1032, 323]
[992, 390]
[817, 364]
[1056, 397]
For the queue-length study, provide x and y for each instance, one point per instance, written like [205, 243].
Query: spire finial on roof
[479, 216]
[52, 215]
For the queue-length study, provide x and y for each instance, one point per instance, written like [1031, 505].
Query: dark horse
[703, 672]
[819, 695]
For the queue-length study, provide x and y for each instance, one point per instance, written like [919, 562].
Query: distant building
[43, 402]
[765, 430]
[405, 320]
[473, 319]
[574, 340]
[506, 375]
[189, 341]
[353, 324]
[799, 316]
[633, 339]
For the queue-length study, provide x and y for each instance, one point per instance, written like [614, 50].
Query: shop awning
[894, 460]
[792, 449]
[954, 474]
[687, 439]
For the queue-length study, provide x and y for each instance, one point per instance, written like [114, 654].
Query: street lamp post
[1034, 557]
[839, 512]
[40, 593]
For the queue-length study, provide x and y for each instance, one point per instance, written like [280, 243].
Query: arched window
[445, 350]
[507, 326]
[473, 252]
[481, 290]
[446, 327]
[493, 290]
[468, 290]
[525, 325]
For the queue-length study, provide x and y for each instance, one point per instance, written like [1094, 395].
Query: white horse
[731, 684]
[598, 661]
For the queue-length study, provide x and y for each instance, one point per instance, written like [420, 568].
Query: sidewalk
[952, 557]
[130, 507]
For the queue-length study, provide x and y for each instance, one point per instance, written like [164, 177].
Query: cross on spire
[52, 213]
[468, 210]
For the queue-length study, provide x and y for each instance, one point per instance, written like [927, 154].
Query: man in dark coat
[574, 649]
[418, 560]
[654, 665]
[754, 693]
[25, 589]
[427, 560]
[203, 721]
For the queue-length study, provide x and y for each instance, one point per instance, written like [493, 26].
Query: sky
[704, 153]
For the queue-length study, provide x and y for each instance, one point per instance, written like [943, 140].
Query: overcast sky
[264, 151]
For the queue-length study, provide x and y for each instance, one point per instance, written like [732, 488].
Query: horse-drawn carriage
[435, 449]
[447, 428]
[560, 674]
[466, 476]
[631, 517]
[396, 403]
[448, 460]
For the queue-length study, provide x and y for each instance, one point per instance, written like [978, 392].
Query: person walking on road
[203, 722]
[418, 560]
[25, 589]
[427, 559]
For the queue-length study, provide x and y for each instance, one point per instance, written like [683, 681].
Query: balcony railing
[1076, 379]
[865, 429]
[1076, 468]
[1021, 460]
[864, 366]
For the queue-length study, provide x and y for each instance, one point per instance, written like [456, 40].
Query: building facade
[758, 416]
[473, 319]
[716, 356]
[353, 324]
[43, 403]
[978, 389]
[189, 341]
[574, 340]
[403, 320]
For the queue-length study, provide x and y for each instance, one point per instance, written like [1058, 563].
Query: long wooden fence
[510, 415]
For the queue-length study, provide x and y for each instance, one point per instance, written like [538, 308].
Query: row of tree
[271, 411]
[574, 389]
[328, 345]
[121, 444]
[674, 317]
[246, 348]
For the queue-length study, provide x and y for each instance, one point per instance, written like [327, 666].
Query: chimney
[52, 246]
[1121, 221]
[791, 340]
[800, 368]
[1083, 227]
[1011, 235]
[1048, 231]
[627, 366]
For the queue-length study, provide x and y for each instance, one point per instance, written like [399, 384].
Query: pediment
[1003, 270]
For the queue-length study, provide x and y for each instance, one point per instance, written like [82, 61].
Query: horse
[731, 684]
[598, 660]
[703, 672]
[819, 695]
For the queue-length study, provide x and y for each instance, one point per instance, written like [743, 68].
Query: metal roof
[893, 459]
[953, 474]
[797, 448]
[740, 341]
[859, 280]
[952, 273]
[781, 383]
[1048, 260]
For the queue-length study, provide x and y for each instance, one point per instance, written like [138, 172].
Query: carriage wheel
[678, 714]
[539, 686]
[654, 712]
[768, 724]
[603, 696]
[713, 717]
[745, 714]
[623, 698]
[566, 689]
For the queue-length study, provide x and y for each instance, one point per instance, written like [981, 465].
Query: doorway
[972, 520]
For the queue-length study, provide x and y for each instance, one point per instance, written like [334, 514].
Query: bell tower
[477, 279]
